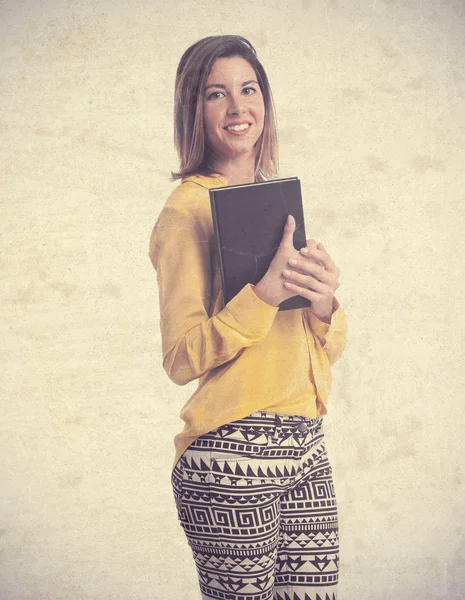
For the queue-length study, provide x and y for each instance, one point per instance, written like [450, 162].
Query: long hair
[191, 78]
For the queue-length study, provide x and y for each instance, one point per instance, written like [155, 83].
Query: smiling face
[234, 110]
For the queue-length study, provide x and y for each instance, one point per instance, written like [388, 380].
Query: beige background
[370, 96]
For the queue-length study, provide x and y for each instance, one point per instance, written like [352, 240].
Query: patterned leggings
[256, 501]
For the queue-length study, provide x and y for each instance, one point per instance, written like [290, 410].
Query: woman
[251, 477]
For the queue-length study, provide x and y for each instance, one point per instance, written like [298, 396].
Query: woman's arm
[315, 276]
[192, 342]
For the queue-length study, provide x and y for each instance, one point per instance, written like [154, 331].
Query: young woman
[251, 477]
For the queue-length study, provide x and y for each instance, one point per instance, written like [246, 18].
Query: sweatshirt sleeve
[331, 336]
[192, 342]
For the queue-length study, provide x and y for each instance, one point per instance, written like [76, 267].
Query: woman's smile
[238, 128]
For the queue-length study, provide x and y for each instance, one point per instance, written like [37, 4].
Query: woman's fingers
[312, 275]
[305, 281]
[288, 233]
[317, 253]
[316, 270]
[302, 291]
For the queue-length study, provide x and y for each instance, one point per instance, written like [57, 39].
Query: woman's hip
[261, 434]
[262, 449]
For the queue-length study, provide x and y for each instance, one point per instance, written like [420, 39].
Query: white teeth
[238, 127]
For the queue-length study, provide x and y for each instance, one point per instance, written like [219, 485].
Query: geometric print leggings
[256, 501]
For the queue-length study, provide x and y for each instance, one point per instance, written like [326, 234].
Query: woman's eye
[213, 96]
[248, 91]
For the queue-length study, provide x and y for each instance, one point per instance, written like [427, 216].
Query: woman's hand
[313, 275]
[316, 277]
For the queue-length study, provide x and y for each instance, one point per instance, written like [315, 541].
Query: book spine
[218, 244]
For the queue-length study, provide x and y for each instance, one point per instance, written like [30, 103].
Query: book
[248, 223]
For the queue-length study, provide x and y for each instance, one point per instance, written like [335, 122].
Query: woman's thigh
[229, 511]
[308, 552]
[256, 502]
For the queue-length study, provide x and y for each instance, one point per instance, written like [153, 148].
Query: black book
[248, 221]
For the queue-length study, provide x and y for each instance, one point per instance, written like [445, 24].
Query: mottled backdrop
[371, 111]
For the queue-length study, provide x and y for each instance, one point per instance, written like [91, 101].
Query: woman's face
[234, 110]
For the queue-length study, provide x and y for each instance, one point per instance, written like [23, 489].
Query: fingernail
[304, 250]
[292, 261]
[289, 219]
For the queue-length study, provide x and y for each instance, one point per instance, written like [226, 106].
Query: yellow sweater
[247, 355]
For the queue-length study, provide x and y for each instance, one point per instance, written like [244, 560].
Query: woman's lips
[239, 132]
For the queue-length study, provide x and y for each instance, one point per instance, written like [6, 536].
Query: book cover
[248, 222]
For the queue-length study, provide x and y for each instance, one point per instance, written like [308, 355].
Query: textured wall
[371, 109]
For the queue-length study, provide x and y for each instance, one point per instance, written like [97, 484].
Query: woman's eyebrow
[222, 86]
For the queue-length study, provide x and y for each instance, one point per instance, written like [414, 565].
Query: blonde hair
[191, 78]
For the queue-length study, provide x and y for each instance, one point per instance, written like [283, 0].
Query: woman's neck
[236, 172]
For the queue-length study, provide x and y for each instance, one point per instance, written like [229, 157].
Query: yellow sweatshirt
[247, 355]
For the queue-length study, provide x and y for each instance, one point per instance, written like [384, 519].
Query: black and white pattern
[256, 501]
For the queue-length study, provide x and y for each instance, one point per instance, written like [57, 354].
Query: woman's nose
[236, 105]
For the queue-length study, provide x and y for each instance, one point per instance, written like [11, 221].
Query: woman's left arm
[316, 277]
